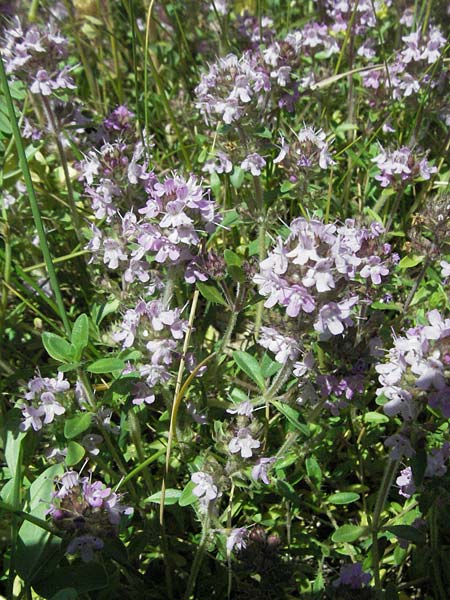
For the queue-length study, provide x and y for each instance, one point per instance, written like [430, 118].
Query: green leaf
[211, 293]
[106, 365]
[250, 366]
[5, 124]
[68, 367]
[348, 533]
[231, 258]
[58, 348]
[214, 182]
[236, 273]
[41, 490]
[237, 177]
[407, 532]
[343, 498]
[313, 469]
[73, 427]
[387, 306]
[75, 452]
[287, 491]
[292, 416]
[287, 186]
[187, 497]
[171, 496]
[83, 578]
[80, 334]
[408, 262]
[418, 466]
[66, 594]
[375, 417]
[99, 312]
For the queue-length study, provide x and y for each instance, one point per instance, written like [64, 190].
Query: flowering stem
[261, 243]
[383, 492]
[33, 201]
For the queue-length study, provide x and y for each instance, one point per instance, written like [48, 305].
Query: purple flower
[253, 163]
[445, 268]
[243, 443]
[353, 576]
[237, 539]
[205, 489]
[285, 348]
[261, 468]
[374, 269]
[86, 546]
[334, 317]
[406, 483]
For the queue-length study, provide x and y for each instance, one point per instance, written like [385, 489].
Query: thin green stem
[65, 167]
[164, 99]
[33, 200]
[198, 559]
[383, 492]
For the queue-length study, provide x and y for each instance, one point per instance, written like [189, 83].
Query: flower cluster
[158, 329]
[236, 88]
[43, 405]
[436, 467]
[87, 509]
[404, 76]
[173, 212]
[318, 258]
[400, 167]
[360, 14]
[416, 371]
[34, 54]
[308, 149]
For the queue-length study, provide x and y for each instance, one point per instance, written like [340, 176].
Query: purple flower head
[120, 119]
[353, 576]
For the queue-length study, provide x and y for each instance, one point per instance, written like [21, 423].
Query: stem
[33, 201]
[414, 288]
[434, 539]
[394, 210]
[6, 273]
[62, 156]
[261, 244]
[383, 492]
[198, 559]
[163, 97]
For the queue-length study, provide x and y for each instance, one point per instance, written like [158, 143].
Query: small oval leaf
[106, 365]
[58, 348]
[343, 498]
[348, 533]
[75, 452]
[73, 427]
[170, 497]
